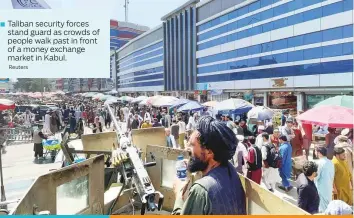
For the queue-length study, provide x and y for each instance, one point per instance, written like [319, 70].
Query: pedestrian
[254, 161]
[240, 157]
[175, 131]
[181, 132]
[270, 166]
[285, 151]
[308, 198]
[38, 136]
[80, 127]
[343, 182]
[170, 140]
[345, 143]
[330, 136]
[156, 123]
[324, 179]
[219, 191]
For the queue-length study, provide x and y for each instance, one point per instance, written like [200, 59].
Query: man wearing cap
[343, 180]
[325, 177]
[259, 138]
[285, 151]
[344, 132]
[287, 130]
[38, 136]
[345, 143]
[219, 191]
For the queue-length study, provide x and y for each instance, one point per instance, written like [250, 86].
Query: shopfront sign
[201, 92]
[279, 83]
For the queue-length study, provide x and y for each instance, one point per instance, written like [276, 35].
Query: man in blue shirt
[285, 151]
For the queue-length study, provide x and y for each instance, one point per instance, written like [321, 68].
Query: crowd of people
[263, 153]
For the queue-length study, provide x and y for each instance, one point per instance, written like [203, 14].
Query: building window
[312, 100]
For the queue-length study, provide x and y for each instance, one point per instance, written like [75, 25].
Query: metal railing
[17, 134]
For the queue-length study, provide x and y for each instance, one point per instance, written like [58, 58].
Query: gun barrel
[119, 131]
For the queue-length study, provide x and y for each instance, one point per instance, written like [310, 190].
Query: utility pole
[126, 3]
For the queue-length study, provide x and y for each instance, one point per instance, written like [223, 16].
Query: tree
[32, 85]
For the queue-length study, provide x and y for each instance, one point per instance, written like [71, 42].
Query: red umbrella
[333, 116]
[6, 104]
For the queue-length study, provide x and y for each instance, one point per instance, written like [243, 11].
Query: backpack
[258, 159]
[274, 158]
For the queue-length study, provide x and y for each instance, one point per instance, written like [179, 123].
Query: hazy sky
[143, 12]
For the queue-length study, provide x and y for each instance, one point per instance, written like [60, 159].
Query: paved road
[20, 170]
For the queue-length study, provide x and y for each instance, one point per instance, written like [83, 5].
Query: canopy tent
[126, 98]
[333, 116]
[104, 97]
[191, 106]
[210, 103]
[233, 105]
[111, 100]
[150, 100]
[260, 113]
[340, 100]
[112, 92]
[6, 104]
[164, 101]
[138, 99]
[97, 96]
[179, 102]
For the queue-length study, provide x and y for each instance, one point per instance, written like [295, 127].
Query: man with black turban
[219, 191]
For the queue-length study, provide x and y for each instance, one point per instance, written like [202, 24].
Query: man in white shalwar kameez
[46, 127]
[270, 175]
[28, 119]
[147, 115]
[126, 113]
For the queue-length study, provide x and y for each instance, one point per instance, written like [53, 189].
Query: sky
[143, 12]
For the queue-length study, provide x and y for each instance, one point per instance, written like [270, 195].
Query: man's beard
[195, 164]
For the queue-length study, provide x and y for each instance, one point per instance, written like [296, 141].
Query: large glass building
[278, 53]
[120, 34]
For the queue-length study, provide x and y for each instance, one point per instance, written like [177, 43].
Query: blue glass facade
[273, 39]
[211, 42]
[142, 67]
[180, 44]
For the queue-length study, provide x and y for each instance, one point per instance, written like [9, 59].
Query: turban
[338, 207]
[219, 138]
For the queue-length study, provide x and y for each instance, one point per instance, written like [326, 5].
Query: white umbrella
[150, 100]
[97, 96]
[234, 105]
[139, 99]
[111, 100]
[260, 113]
[165, 101]
[126, 98]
